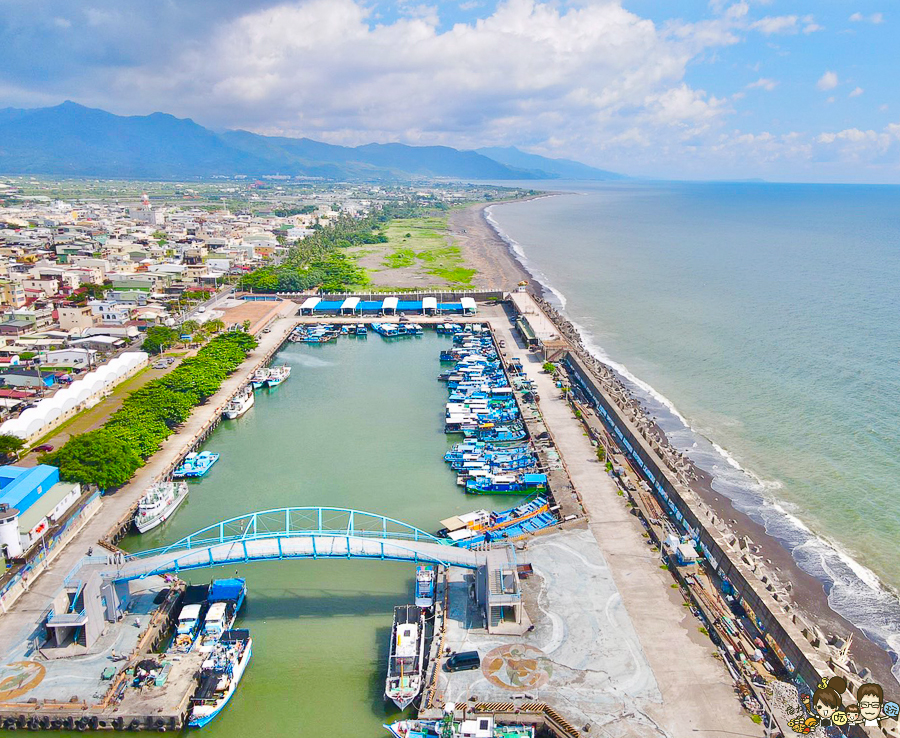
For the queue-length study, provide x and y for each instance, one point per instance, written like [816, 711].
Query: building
[78, 358]
[21, 377]
[32, 499]
[75, 319]
[12, 294]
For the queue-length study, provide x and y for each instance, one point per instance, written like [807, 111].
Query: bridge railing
[290, 522]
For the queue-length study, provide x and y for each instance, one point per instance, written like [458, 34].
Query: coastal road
[696, 689]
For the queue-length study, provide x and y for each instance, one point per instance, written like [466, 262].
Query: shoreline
[808, 594]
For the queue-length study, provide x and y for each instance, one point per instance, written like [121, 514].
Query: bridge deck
[293, 546]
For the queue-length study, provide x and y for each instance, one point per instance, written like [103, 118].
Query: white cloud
[830, 100]
[883, 107]
[776, 24]
[531, 71]
[763, 83]
[857, 92]
[875, 18]
[827, 81]
[812, 28]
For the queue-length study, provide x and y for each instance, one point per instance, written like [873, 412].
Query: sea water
[759, 324]
[358, 425]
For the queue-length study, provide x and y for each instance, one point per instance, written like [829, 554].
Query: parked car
[43, 448]
[463, 661]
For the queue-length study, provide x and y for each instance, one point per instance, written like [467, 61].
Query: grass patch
[404, 257]
[703, 630]
[756, 719]
[426, 240]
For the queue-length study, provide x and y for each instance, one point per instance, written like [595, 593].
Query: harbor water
[757, 322]
[359, 425]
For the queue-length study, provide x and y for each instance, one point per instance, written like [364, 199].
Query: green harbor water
[358, 425]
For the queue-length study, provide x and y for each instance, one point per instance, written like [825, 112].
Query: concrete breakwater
[670, 474]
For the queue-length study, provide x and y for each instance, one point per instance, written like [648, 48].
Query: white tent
[309, 304]
[468, 306]
[389, 305]
[349, 305]
[68, 399]
[429, 304]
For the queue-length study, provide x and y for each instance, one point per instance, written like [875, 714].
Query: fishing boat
[187, 628]
[482, 526]
[479, 726]
[240, 403]
[196, 465]
[259, 377]
[501, 484]
[425, 581]
[158, 503]
[406, 658]
[220, 675]
[361, 330]
[225, 599]
[277, 375]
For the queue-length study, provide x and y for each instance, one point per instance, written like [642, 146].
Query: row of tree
[109, 456]
[318, 260]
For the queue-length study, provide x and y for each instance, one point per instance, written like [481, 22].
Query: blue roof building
[32, 499]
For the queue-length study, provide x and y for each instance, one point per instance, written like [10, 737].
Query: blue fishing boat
[277, 375]
[504, 484]
[482, 526]
[196, 465]
[361, 329]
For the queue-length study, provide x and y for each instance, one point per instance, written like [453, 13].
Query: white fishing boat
[220, 675]
[406, 658]
[240, 403]
[158, 504]
[277, 375]
[259, 378]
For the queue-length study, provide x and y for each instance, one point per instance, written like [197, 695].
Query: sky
[784, 90]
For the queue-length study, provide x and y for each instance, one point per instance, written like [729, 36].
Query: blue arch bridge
[294, 533]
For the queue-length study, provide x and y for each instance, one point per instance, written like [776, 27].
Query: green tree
[100, 457]
[159, 338]
[215, 325]
[10, 445]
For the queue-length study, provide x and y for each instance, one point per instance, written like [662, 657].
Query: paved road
[697, 694]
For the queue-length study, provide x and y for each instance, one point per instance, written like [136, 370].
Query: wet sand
[498, 268]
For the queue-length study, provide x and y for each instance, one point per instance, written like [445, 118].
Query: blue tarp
[328, 307]
[226, 590]
[534, 478]
[455, 307]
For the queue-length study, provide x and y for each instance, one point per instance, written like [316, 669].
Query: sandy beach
[498, 268]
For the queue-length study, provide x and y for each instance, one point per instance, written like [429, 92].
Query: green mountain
[70, 139]
[561, 168]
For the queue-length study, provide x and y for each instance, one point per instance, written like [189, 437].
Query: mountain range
[71, 139]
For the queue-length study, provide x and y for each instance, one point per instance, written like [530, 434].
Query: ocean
[759, 323]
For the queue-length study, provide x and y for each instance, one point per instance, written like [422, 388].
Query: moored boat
[259, 377]
[225, 599]
[277, 375]
[478, 726]
[425, 585]
[220, 675]
[240, 403]
[406, 657]
[158, 504]
[196, 465]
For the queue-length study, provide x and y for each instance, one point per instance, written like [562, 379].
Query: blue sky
[778, 89]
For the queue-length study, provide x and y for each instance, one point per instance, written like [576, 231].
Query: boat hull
[204, 716]
[151, 523]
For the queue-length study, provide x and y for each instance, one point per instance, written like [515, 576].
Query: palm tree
[214, 326]
[190, 327]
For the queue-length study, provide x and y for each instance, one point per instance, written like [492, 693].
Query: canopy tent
[468, 306]
[389, 304]
[309, 304]
[429, 305]
[348, 307]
